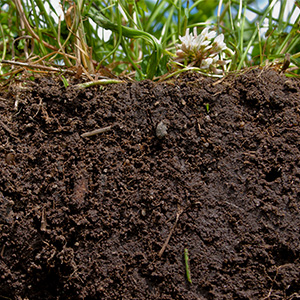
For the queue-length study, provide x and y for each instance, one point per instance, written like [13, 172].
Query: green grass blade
[291, 40]
[128, 32]
[246, 51]
[38, 31]
[45, 13]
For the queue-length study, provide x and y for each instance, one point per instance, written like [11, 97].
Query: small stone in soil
[161, 130]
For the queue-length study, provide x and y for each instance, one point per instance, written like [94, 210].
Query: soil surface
[212, 166]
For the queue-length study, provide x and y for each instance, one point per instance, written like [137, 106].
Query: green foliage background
[144, 34]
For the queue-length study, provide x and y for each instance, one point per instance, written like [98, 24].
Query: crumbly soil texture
[207, 165]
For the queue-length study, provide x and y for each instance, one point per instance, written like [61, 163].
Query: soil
[207, 165]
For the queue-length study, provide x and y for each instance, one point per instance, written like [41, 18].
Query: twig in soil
[163, 248]
[96, 131]
[43, 220]
[295, 295]
[5, 298]
[187, 267]
[2, 252]
[97, 82]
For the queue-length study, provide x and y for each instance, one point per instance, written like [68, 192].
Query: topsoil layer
[212, 166]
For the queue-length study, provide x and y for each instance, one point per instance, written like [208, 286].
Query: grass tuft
[144, 36]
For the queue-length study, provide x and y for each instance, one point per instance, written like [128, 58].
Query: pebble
[207, 118]
[161, 130]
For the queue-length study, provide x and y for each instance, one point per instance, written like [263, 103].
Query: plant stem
[187, 267]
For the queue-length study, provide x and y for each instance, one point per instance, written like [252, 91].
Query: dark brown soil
[90, 217]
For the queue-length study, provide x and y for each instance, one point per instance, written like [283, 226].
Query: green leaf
[142, 5]
[187, 12]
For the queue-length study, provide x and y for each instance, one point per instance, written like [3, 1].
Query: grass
[187, 267]
[144, 35]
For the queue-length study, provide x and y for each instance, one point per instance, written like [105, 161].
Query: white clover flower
[205, 64]
[219, 44]
[205, 51]
[208, 35]
[187, 41]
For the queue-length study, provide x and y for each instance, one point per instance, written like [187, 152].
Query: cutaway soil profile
[207, 165]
